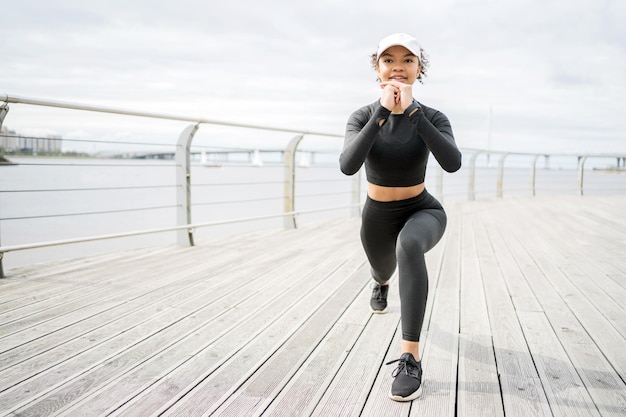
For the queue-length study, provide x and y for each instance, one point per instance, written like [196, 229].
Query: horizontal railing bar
[237, 164]
[572, 154]
[101, 109]
[138, 187]
[80, 164]
[207, 203]
[236, 183]
[13, 248]
[88, 213]
[334, 181]
[319, 195]
[165, 162]
[223, 149]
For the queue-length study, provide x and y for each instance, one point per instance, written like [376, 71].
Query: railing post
[439, 183]
[533, 171]
[4, 109]
[289, 221]
[471, 183]
[356, 194]
[581, 172]
[500, 175]
[183, 183]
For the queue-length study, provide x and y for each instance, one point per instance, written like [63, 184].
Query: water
[116, 196]
[98, 191]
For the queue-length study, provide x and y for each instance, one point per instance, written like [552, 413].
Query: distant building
[11, 142]
[8, 139]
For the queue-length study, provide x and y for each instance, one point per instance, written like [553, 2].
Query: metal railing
[185, 227]
[533, 158]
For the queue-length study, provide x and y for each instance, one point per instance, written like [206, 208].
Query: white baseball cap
[399, 39]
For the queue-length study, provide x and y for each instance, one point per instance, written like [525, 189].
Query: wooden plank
[120, 345]
[88, 334]
[316, 309]
[138, 342]
[512, 266]
[349, 389]
[604, 293]
[603, 332]
[378, 403]
[522, 391]
[601, 219]
[536, 303]
[565, 391]
[303, 392]
[224, 350]
[588, 360]
[85, 333]
[303, 267]
[59, 313]
[23, 280]
[111, 282]
[478, 385]
[595, 287]
[434, 261]
[144, 404]
[474, 319]
[283, 363]
[46, 280]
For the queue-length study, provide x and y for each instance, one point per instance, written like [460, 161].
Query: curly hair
[423, 61]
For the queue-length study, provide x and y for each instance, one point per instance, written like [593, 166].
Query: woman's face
[398, 64]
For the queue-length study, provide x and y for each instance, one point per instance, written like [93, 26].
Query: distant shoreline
[4, 161]
[617, 170]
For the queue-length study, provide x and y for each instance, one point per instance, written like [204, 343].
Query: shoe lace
[377, 293]
[408, 368]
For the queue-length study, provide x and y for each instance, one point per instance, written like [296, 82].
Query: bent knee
[420, 237]
[410, 243]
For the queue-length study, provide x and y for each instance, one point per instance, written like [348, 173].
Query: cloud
[550, 70]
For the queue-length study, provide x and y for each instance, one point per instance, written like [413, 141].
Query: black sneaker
[378, 302]
[407, 383]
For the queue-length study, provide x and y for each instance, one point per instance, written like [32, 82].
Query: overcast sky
[553, 72]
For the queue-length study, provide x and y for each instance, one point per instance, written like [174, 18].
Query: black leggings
[403, 231]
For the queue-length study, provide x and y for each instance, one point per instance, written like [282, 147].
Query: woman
[401, 221]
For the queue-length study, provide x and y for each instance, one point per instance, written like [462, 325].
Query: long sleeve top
[395, 147]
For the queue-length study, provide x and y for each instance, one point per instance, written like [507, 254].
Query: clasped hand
[397, 96]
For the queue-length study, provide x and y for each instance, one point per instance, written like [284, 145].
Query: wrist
[413, 110]
[381, 115]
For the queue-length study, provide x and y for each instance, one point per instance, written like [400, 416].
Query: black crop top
[395, 147]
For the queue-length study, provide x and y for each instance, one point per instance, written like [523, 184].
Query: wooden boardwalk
[525, 317]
